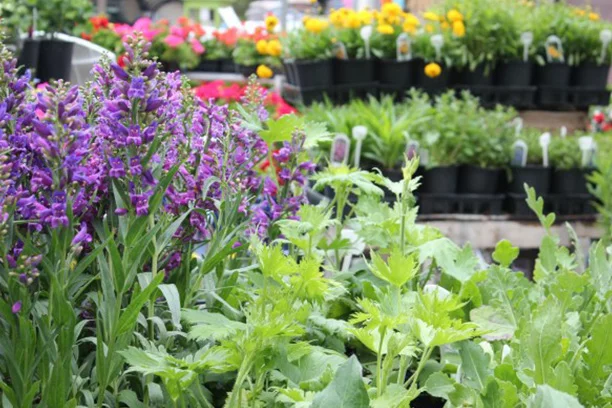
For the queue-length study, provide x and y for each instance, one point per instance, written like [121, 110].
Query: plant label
[404, 47]
[412, 149]
[519, 154]
[437, 41]
[544, 143]
[339, 50]
[340, 150]
[526, 40]
[587, 146]
[554, 49]
[518, 125]
[366, 33]
[606, 37]
[359, 133]
[591, 163]
[563, 132]
[424, 157]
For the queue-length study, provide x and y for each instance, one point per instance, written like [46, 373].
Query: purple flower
[121, 211]
[119, 72]
[137, 88]
[135, 166]
[81, 236]
[16, 308]
[270, 187]
[282, 155]
[117, 169]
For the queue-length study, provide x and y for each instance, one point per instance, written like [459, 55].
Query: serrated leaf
[497, 325]
[548, 397]
[505, 253]
[281, 129]
[211, 325]
[439, 385]
[346, 390]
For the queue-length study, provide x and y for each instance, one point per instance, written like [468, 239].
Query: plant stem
[424, 358]
[243, 371]
[379, 370]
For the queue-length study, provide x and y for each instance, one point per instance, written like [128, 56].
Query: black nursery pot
[209, 66]
[478, 77]
[54, 60]
[227, 65]
[553, 74]
[590, 76]
[569, 182]
[430, 84]
[246, 70]
[440, 180]
[353, 71]
[514, 73]
[28, 57]
[309, 73]
[395, 74]
[478, 180]
[538, 177]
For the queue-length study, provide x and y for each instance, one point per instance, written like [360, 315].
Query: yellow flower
[445, 25]
[385, 29]
[458, 29]
[429, 28]
[391, 9]
[365, 16]
[579, 12]
[316, 25]
[433, 70]
[313, 1]
[454, 15]
[553, 52]
[431, 16]
[274, 48]
[593, 16]
[262, 47]
[264, 72]
[336, 18]
[411, 19]
[271, 22]
[352, 21]
[409, 28]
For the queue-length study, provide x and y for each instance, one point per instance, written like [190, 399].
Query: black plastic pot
[54, 60]
[353, 71]
[395, 74]
[170, 66]
[538, 177]
[246, 70]
[227, 65]
[309, 73]
[208, 66]
[514, 73]
[439, 180]
[554, 74]
[478, 77]
[423, 81]
[479, 180]
[590, 75]
[570, 182]
[28, 57]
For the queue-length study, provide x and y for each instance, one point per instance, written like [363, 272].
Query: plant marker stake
[424, 157]
[519, 158]
[518, 125]
[437, 41]
[554, 41]
[339, 50]
[586, 146]
[563, 132]
[544, 143]
[366, 33]
[606, 37]
[359, 133]
[404, 47]
[340, 150]
[527, 40]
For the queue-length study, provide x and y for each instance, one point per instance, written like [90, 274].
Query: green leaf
[500, 394]
[130, 314]
[505, 253]
[439, 385]
[395, 396]
[346, 390]
[173, 299]
[548, 397]
[494, 321]
[600, 349]
[398, 270]
[475, 364]
[281, 129]
[211, 325]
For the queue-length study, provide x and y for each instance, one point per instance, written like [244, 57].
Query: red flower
[86, 36]
[122, 60]
[599, 117]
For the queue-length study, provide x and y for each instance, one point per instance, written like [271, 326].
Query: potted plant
[182, 47]
[218, 47]
[353, 64]
[589, 49]
[259, 49]
[392, 45]
[569, 175]
[309, 49]
[17, 18]
[432, 60]
[533, 173]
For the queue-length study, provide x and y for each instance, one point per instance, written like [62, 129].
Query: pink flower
[196, 46]
[177, 31]
[142, 24]
[173, 41]
[122, 29]
[149, 34]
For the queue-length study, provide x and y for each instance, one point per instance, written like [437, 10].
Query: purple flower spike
[119, 72]
[117, 169]
[81, 236]
[16, 307]
[137, 88]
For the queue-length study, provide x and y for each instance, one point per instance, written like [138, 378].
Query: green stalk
[243, 372]
[379, 370]
[424, 358]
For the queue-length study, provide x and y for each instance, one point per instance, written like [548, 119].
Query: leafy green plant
[531, 137]
[565, 153]
[314, 42]
[62, 16]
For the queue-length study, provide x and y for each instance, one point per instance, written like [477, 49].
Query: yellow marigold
[274, 48]
[409, 28]
[458, 29]
[262, 47]
[352, 21]
[429, 28]
[336, 18]
[431, 16]
[316, 25]
[264, 72]
[454, 15]
[433, 70]
[593, 16]
[553, 52]
[411, 19]
[271, 22]
[366, 16]
[444, 25]
[391, 9]
[385, 29]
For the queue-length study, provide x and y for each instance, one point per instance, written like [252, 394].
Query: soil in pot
[28, 57]
[553, 74]
[439, 180]
[477, 77]
[570, 182]
[514, 73]
[395, 74]
[537, 177]
[309, 73]
[479, 180]
[54, 60]
[590, 75]
[442, 81]
[353, 71]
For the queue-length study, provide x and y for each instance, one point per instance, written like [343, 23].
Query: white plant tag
[563, 132]
[340, 150]
[424, 157]
[404, 47]
[359, 133]
[518, 125]
[606, 37]
[586, 147]
[437, 41]
[526, 40]
[554, 49]
[366, 33]
[339, 50]
[593, 156]
[412, 149]
[519, 155]
[544, 143]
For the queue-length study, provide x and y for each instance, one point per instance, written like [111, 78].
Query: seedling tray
[304, 96]
[582, 98]
[553, 98]
[344, 93]
[517, 206]
[520, 97]
[461, 203]
[580, 204]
